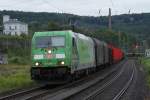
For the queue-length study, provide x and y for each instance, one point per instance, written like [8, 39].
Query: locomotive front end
[50, 59]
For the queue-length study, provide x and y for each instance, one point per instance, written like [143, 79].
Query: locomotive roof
[53, 32]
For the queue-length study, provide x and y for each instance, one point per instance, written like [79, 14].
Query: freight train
[66, 54]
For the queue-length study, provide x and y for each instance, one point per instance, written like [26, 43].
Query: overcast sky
[80, 7]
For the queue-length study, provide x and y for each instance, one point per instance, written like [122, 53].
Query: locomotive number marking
[38, 56]
[49, 56]
[60, 55]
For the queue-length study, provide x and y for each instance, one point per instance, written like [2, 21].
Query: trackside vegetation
[14, 77]
[16, 74]
[146, 63]
[16, 47]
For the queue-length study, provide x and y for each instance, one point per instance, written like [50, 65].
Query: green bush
[19, 60]
[146, 63]
[13, 76]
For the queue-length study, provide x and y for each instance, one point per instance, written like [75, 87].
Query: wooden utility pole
[109, 26]
[119, 38]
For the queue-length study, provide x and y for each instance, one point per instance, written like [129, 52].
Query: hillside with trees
[129, 23]
[133, 24]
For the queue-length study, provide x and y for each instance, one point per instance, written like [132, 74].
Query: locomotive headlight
[62, 62]
[36, 64]
[49, 51]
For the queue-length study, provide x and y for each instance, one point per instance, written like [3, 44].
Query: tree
[53, 26]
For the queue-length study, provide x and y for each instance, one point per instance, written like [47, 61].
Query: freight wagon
[117, 54]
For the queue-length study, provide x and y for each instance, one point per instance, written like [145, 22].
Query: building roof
[14, 21]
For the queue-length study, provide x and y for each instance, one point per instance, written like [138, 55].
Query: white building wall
[147, 52]
[24, 29]
[15, 28]
[6, 18]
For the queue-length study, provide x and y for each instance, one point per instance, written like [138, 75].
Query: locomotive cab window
[58, 41]
[42, 42]
[49, 41]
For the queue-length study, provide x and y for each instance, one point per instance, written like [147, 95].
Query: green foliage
[53, 26]
[146, 63]
[14, 77]
[17, 48]
[19, 60]
[19, 55]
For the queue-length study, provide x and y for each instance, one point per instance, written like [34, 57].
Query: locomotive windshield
[48, 41]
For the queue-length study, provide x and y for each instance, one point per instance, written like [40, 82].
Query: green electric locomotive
[61, 54]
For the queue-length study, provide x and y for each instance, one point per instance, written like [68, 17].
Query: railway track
[65, 93]
[124, 89]
[93, 95]
[60, 92]
[11, 96]
[102, 88]
[35, 93]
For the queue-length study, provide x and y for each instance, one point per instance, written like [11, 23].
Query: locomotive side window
[74, 46]
[74, 53]
[73, 42]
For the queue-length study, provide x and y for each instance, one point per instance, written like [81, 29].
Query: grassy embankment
[16, 74]
[146, 62]
[13, 76]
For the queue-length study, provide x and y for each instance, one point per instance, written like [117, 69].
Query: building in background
[3, 58]
[13, 26]
[147, 52]
[1, 29]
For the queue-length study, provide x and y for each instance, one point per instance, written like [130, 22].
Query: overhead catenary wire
[112, 3]
[129, 11]
[48, 3]
[114, 6]
[99, 12]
